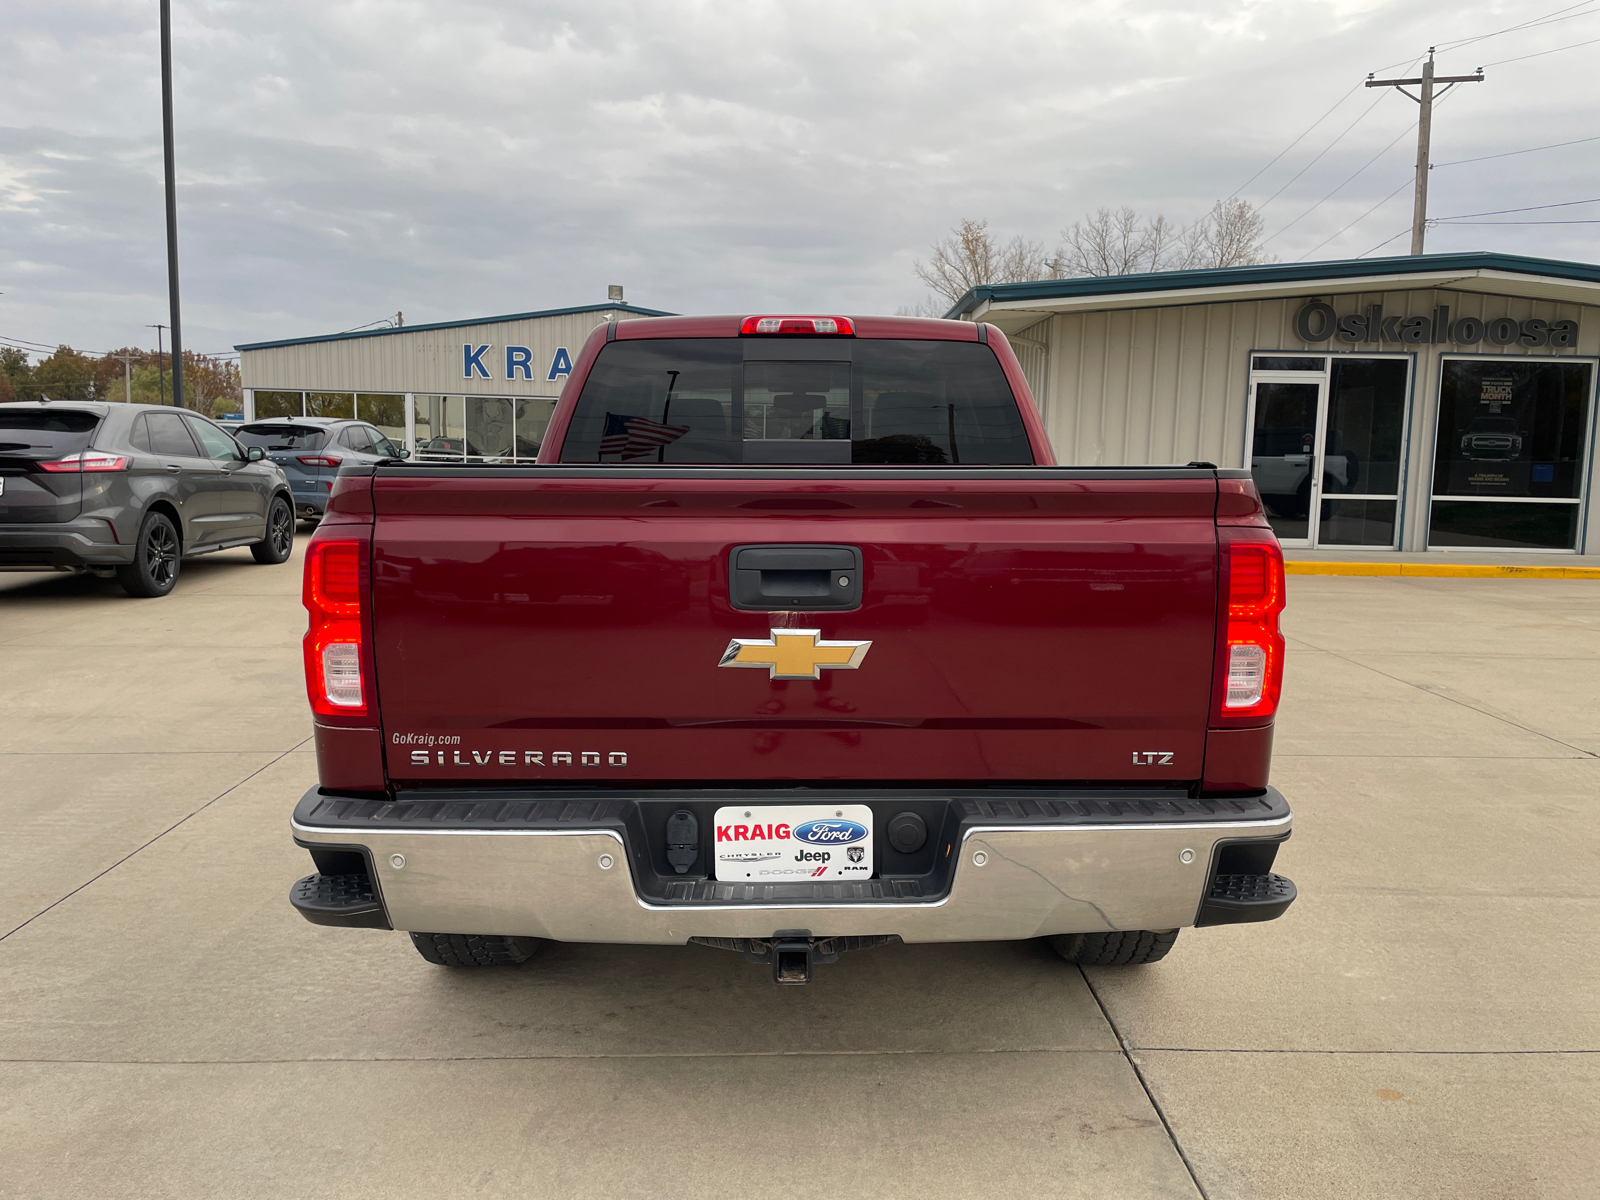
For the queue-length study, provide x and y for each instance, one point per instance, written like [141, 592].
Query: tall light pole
[172, 202]
[1419, 206]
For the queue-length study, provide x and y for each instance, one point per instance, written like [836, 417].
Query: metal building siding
[1171, 384]
[427, 361]
[1160, 385]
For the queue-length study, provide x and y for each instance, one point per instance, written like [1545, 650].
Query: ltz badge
[794, 654]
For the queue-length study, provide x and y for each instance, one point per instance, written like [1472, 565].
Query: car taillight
[834, 326]
[1251, 666]
[320, 460]
[333, 648]
[87, 460]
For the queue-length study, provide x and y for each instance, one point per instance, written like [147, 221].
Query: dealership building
[1439, 402]
[465, 390]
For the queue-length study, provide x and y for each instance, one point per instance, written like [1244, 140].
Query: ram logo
[1152, 758]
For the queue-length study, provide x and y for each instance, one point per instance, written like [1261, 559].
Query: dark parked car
[132, 490]
[310, 450]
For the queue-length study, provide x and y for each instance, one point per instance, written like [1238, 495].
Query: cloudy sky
[339, 160]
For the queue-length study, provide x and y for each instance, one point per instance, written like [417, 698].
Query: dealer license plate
[764, 844]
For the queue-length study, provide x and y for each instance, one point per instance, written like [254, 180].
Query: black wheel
[1129, 949]
[279, 542]
[474, 949]
[156, 555]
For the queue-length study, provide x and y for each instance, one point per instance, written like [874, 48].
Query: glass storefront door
[1510, 458]
[1326, 445]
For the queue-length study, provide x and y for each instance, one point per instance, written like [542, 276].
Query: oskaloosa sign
[1318, 322]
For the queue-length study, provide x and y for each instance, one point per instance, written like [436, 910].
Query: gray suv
[310, 450]
[131, 490]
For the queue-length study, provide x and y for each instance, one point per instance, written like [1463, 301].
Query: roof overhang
[1012, 316]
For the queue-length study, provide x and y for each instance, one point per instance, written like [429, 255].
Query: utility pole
[1419, 208]
[127, 376]
[172, 202]
[161, 371]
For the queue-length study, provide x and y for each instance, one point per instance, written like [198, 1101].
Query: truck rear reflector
[830, 326]
[333, 650]
[1251, 662]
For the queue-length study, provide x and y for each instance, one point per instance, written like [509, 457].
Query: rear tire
[1132, 948]
[474, 949]
[157, 554]
[279, 543]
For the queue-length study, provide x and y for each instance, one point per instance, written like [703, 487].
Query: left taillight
[333, 643]
[1251, 649]
[87, 460]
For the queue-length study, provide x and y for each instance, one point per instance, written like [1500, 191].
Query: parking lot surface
[1424, 1022]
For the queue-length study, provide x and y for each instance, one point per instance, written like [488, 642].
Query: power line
[1323, 151]
[1386, 240]
[1358, 221]
[1509, 153]
[1348, 178]
[1500, 212]
[1296, 142]
[1448, 221]
[1542, 53]
[1549, 18]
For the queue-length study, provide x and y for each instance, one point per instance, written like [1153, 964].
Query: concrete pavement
[1423, 1023]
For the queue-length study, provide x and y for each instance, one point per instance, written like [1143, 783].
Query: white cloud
[347, 158]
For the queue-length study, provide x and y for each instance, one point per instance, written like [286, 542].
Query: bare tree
[1232, 235]
[1125, 243]
[1114, 243]
[972, 256]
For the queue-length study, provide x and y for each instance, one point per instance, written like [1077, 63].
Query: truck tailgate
[567, 624]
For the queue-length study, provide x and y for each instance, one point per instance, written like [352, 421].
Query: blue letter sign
[473, 362]
[561, 364]
[519, 358]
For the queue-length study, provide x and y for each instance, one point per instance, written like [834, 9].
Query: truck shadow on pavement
[577, 999]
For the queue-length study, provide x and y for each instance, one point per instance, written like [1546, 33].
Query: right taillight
[333, 643]
[1250, 666]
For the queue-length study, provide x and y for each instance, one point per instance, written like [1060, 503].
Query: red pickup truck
[794, 640]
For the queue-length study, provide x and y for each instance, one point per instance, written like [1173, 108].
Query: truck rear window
[868, 402]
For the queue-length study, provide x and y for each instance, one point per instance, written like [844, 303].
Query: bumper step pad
[346, 900]
[1236, 899]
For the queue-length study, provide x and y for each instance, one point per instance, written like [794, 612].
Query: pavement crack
[146, 845]
[1454, 697]
[1155, 1104]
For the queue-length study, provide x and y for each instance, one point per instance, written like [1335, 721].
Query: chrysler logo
[794, 654]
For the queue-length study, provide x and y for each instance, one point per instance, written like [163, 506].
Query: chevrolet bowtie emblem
[794, 654]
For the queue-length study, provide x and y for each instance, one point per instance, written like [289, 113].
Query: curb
[1440, 570]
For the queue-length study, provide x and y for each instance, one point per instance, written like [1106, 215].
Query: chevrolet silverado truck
[794, 640]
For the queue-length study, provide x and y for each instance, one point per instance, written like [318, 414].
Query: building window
[339, 405]
[480, 428]
[388, 413]
[1509, 462]
[279, 404]
[1327, 444]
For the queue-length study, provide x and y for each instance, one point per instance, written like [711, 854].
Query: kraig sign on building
[1319, 322]
[518, 361]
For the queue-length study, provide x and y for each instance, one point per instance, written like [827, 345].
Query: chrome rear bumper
[575, 885]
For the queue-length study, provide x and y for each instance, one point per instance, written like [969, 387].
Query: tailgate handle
[794, 578]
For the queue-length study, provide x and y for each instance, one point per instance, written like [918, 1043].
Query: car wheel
[1129, 948]
[279, 542]
[156, 557]
[474, 950]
